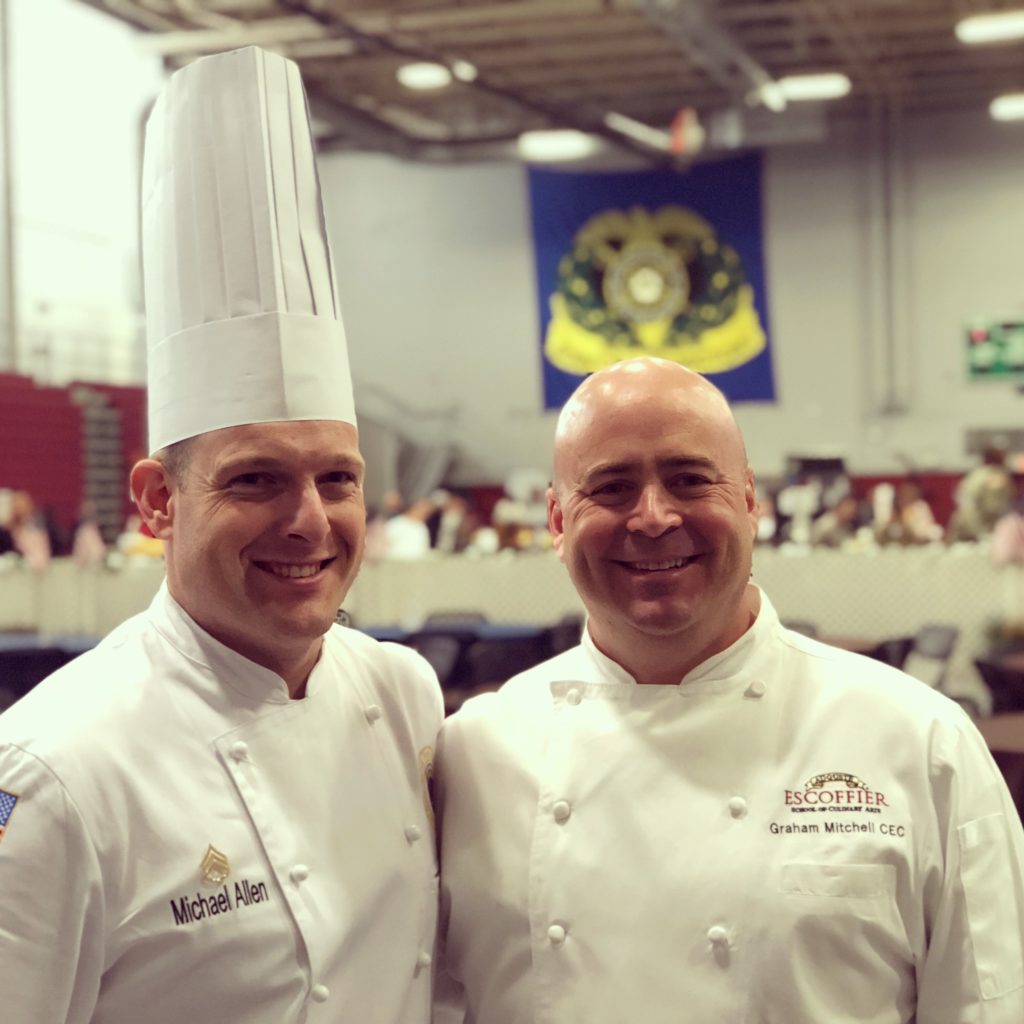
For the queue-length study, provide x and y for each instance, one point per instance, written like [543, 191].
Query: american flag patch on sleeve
[7, 802]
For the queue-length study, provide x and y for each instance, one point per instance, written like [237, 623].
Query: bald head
[623, 391]
[654, 515]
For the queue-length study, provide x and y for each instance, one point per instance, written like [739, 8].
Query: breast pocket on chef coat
[836, 881]
[835, 900]
[831, 933]
[992, 913]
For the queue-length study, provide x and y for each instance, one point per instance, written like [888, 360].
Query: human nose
[307, 518]
[655, 513]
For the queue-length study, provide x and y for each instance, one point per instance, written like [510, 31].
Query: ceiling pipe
[135, 14]
[691, 25]
[271, 33]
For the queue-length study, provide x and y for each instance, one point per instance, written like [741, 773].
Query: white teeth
[657, 566]
[292, 571]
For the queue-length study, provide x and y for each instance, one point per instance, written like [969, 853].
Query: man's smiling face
[265, 535]
[653, 510]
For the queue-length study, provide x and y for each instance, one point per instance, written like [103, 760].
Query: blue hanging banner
[656, 263]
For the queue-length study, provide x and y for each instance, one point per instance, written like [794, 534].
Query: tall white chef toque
[242, 316]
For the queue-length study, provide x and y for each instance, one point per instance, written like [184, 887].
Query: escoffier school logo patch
[843, 797]
[836, 790]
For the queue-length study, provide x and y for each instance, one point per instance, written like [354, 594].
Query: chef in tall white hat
[220, 813]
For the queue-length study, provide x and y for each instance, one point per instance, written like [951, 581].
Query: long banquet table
[872, 596]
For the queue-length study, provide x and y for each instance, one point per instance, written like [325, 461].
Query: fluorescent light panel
[997, 27]
[829, 85]
[424, 75]
[1008, 108]
[552, 145]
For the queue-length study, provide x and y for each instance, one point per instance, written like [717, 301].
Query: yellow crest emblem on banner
[652, 284]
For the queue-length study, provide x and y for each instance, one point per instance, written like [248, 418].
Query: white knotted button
[239, 750]
[717, 935]
[424, 960]
[556, 934]
[737, 806]
[319, 993]
[574, 696]
[756, 689]
[561, 811]
[299, 873]
[373, 712]
[412, 833]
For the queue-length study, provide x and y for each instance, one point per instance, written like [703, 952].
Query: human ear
[153, 493]
[555, 524]
[750, 498]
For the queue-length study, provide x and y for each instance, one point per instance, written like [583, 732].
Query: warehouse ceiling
[571, 63]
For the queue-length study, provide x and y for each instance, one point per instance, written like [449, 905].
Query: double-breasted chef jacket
[190, 845]
[792, 835]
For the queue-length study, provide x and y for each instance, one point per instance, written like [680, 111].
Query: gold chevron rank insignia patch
[214, 867]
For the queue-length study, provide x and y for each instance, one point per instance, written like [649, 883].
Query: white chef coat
[191, 845]
[792, 835]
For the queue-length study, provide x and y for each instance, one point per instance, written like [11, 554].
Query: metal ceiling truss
[570, 63]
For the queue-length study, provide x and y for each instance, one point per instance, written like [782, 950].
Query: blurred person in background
[29, 536]
[87, 544]
[837, 525]
[455, 526]
[1008, 536]
[985, 494]
[911, 520]
[797, 503]
[698, 814]
[220, 814]
[406, 534]
[6, 502]
[377, 517]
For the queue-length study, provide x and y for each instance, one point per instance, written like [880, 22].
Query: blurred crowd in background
[815, 505]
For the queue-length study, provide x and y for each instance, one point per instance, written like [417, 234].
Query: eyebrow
[675, 462]
[256, 463]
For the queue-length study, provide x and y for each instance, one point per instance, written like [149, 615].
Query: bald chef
[697, 815]
[220, 814]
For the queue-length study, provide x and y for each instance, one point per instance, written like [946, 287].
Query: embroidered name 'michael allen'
[189, 909]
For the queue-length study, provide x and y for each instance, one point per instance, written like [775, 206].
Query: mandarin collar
[227, 667]
[724, 665]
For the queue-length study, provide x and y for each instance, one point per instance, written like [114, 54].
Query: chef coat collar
[228, 667]
[718, 667]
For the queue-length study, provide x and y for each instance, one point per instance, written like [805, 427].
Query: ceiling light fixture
[996, 27]
[555, 144]
[1009, 107]
[829, 85]
[424, 75]
[464, 71]
[772, 96]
